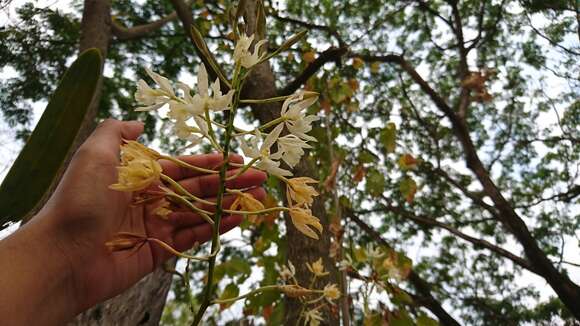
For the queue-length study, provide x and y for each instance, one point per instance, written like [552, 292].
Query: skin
[58, 263]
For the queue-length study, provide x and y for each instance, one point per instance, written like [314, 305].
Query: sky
[9, 150]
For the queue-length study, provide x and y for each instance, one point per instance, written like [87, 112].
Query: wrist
[37, 281]
[61, 257]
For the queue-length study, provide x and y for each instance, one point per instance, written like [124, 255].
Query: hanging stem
[263, 211]
[258, 290]
[211, 133]
[204, 214]
[244, 169]
[184, 191]
[187, 165]
[177, 253]
[208, 291]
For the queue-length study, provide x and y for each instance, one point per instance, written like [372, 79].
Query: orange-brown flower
[247, 202]
[300, 192]
[304, 221]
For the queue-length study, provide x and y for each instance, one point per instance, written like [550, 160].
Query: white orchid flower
[242, 51]
[292, 149]
[185, 132]
[193, 105]
[197, 104]
[216, 102]
[153, 99]
[266, 161]
[297, 122]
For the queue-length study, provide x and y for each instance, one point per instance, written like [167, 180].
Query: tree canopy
[449, 139]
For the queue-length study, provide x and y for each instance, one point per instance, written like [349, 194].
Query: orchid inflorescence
[313, 300]
[274, 148]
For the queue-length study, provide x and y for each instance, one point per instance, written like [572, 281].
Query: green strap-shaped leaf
[37, 165]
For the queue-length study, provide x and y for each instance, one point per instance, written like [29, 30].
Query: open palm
[89, 213]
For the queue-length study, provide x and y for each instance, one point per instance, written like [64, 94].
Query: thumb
[130, 130]
[110, 133]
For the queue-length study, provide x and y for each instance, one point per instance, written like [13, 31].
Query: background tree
[449, 132]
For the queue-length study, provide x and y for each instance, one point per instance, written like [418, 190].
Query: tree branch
[331, 54]
[469, 194]
[421, 286]
[428, 221]
[425, 87]
[123, 33]
[464, 96]
[566, 196]
[331, 31]
[545, 37]
[480, 39]
[183, 10]
[567, 290]
[424, 6]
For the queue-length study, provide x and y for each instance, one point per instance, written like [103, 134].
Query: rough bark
[140, 305]
[301, 249]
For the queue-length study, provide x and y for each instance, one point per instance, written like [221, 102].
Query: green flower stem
[187, 165]
[208, 291]
[286, 45]
[272, 123]
[177, 253]
[258, 290]
[307, 94]
[262, 127]
[266, 100]
[237, 165]
[244, 169]
[204, 214]
[263, 211]
[210, 131]
[184, 191]
[282, 178]
[240, 130]
[188, 292]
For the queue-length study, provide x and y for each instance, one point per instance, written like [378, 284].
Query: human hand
[84, 213]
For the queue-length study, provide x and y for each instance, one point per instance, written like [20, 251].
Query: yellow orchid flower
[304, 221]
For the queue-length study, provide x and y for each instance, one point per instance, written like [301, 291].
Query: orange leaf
[353, 84]
[408, 162]
[375, 66]
[309, 56]
[357, 63]
[359, 174]
[325, 105]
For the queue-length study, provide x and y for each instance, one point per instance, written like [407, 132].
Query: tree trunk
[301, 249]
[140, 305]
[143, 303]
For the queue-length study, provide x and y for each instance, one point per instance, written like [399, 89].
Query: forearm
[36, 285]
